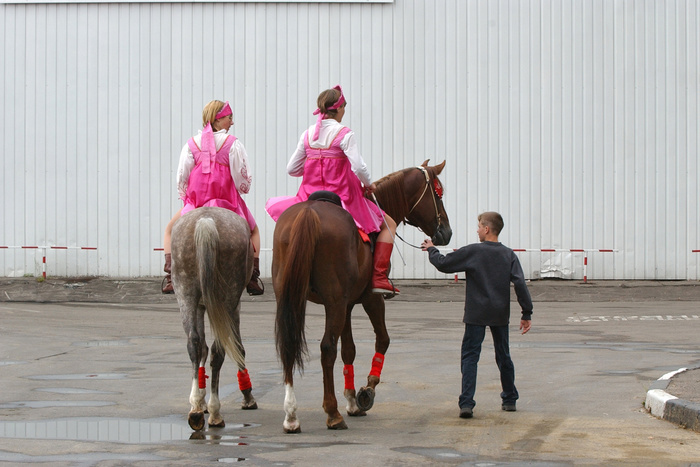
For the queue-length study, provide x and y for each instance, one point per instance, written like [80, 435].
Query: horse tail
[294, 289]
[213, 287]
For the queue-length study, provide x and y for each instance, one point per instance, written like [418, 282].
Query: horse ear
[439, 167]
[425, 163]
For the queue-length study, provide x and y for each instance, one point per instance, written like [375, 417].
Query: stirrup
[258, 282]
[388, 294]
[163, 284]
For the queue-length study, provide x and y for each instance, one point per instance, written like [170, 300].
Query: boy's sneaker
[508, 406]
[466, 412]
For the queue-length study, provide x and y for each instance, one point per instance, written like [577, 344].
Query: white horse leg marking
[197, 403]
[291, 423]
[351, 406]
[350, 392]
[214, 406]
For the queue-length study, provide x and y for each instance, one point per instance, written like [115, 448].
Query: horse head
[414, 196]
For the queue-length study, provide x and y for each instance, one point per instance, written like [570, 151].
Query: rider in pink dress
[210, 181]
[328, 158]
[213, 171]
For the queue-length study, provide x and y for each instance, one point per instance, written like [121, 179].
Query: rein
[407, 243]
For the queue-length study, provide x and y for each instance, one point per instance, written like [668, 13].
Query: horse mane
[391, 196]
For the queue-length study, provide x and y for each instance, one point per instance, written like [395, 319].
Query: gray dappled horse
[212, 261]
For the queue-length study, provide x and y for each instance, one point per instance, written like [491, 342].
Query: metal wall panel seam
[598, 142]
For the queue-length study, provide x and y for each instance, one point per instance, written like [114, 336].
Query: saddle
[330, 197]
[325, 195]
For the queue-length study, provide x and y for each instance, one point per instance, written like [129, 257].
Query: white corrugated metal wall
[577, 120]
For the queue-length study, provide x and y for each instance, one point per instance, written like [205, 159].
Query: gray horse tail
[212, 285]
[295, 284]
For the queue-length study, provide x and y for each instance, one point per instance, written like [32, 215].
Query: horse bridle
[426, 174]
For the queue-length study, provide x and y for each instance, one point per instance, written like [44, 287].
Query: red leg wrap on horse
[202, 376]
[244, 380]
[349, 373]
[377, 365]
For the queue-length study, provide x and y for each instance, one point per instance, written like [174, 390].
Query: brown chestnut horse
[318, 255]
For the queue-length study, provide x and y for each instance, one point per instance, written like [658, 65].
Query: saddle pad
[363, 234]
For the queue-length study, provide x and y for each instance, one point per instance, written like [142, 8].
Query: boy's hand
[525, 325]
[427, 243]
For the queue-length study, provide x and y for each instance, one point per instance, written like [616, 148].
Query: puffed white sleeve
[184, 167]
[295, 167]
[349, 146]
[240, 170]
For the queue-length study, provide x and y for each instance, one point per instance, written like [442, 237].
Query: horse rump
[212, 260]
[296, 235]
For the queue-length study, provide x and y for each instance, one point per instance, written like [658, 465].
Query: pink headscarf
[226, 110]
[208, 141]
[338, 104]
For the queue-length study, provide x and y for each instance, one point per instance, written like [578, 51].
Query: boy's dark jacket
[490, 267]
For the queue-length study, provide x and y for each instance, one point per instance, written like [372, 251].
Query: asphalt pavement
[674, 397]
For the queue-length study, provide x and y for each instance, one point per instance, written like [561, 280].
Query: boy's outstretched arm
[451, 262]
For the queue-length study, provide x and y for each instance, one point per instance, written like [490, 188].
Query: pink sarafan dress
[330, 169]
[210, 182]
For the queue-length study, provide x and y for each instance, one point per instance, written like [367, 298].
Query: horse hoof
[249, 405]
[292, 428]
[196, 420]
[358, 413]
[338, 426]
[365, 398]
[217, 424]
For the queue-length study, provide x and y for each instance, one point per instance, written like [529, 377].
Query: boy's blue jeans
[471, 350]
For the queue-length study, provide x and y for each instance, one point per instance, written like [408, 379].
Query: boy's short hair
[492, 220]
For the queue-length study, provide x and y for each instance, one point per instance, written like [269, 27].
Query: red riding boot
[380, 281]
[167, 282]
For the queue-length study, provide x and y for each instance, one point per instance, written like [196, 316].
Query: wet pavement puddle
[114, 343]
[207, 437]
[273, 371]
[73, 391]
[78, 459]
[79, 376]
[121, 430]
[168, 429]
[47, 404]
[11, 363]
[451, 456]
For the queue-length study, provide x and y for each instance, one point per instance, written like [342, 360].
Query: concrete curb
[669, 407]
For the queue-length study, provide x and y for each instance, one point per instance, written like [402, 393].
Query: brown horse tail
[206, 240]
[295, 284]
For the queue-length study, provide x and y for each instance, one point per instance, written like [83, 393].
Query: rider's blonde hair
[210, 111]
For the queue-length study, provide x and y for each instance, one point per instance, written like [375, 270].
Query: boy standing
[490, 267]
